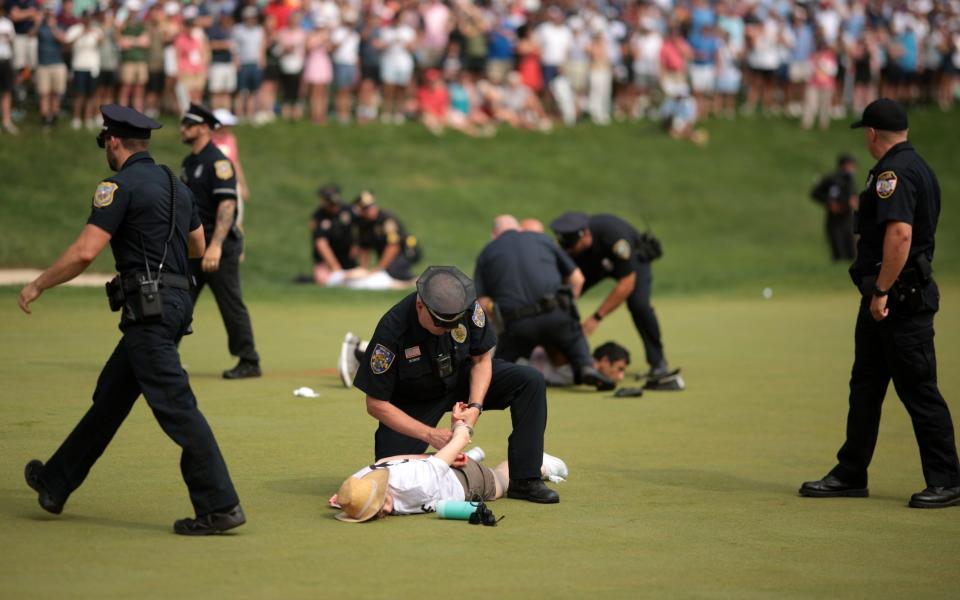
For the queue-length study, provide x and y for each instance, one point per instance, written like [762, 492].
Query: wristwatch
[477, 406]
[878, 292]
[598, 316]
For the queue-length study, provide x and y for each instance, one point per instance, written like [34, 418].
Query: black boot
[533, 490]
[243, 370]
[211, 523]
[831, 487]
[47, 501]
[936, 497]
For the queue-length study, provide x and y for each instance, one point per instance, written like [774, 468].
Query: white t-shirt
[347, 42]
[646, 52]
[418, 484]
[86, 48]
[249, 43]
[555, 43]
[6, 38]
[396, 39]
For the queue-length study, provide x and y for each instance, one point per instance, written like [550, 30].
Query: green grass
[734, 215]
[688, 494]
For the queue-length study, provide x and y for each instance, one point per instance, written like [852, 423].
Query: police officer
[381, 232]
[213, 181]
[151, 223]
[837, 193]
[897, 221]
[532, 284]
[607, 246]
[433, 349]
[333, 228]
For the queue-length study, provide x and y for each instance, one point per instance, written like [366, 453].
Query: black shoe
[831, 487]
[211, 523]
[244, 369]
[593, 377]
[665, 381]
[936, 497]
[47, 502]
[533, 490]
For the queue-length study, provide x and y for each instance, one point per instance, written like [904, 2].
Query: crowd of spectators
[472, 65]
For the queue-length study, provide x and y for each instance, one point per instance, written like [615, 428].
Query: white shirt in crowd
[555, 43]
[85, 42]
[346, 42]
[249, 43]
[6, 38]
[765, 53]
[418, 484]
[646, 52]
[397, 38]
[325, 14]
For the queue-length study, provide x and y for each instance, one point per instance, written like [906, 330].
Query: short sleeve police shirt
[212, 178]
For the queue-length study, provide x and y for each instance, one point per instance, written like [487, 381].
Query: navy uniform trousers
[146, 362]
[644, 318]
[900, 348]
[225, 285]
[521, 389]
[557, 329]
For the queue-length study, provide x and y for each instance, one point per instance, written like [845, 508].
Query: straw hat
[361, 498]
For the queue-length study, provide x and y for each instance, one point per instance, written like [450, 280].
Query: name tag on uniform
[412, 353]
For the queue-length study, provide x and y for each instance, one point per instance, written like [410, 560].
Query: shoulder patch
[103, 197]
[479, 317]
[345, 217]
[621, 249]
[886, 184]
[459, 334]
[381, 359]
[223, 169]
[325, 224]
[389, 226]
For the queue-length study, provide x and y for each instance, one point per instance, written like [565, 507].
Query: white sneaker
[476, 453]
[76, 124]
[554, 469]
[348, 364]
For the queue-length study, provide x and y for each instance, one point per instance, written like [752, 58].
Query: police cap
[570, 227]
[365, 199]
[124, 122]
[447, 294]
[329, 192]
[197, 114]
[845, 158]
[883, 114]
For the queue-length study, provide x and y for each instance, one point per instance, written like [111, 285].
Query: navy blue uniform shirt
[520, 268]
[337, 228]
[378, 234]
[134, 207]
[399, 362]
[212, 179]
[900, 187]
[614, 250]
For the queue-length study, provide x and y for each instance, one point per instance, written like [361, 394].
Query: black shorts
[764, 74]
[290, 87]
[107, 79]
[370, 71]
[156, 82]
[84, 84]
[6, 76]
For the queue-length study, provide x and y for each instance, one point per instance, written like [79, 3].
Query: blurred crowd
[472, 66]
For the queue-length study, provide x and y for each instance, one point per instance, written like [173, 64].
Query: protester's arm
[896, 250]
[454, 448]
[75, 259]
[614, 299]
[402, 423]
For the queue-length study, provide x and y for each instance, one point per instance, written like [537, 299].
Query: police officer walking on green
[150, 220]
[434, 349]
[897, 221]
[213, 181]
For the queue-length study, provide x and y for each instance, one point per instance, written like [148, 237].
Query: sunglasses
[445, 321]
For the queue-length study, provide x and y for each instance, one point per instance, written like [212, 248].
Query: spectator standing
[601, 80]
[866, 64]
[134, 42]
[223, 61]
[7, 36]
[292, 44]
[318, 73]
[675, 53]
[802, 45]
[823, 80]
[528, 59]
[645, 46]
[51, 70]
[249, 40]
[555, 40]
[500, 56]
[345, 44]
[369, 55]
[109, 60]
[156, 77]
[437, 22]
[396, 40]
[703, 69]
[24, 14]
[84, 38]
[729, 76]
[193, 58]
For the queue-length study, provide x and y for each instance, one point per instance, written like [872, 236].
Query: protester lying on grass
[414, 483]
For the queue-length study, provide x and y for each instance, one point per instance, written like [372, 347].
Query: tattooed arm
[211, 258]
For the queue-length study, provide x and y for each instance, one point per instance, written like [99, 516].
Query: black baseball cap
[330, 192]
[125, 122]
[883, 114]
[197, 114]
[845, 158]
[447, 294]
[570, 227]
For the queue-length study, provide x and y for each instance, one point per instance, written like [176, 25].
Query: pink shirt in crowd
[673, 54]
[190, 59]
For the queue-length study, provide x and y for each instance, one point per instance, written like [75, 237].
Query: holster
[648, 247]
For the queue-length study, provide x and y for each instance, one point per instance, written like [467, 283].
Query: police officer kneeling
[433, 349]
[899, 210]
[150, 220]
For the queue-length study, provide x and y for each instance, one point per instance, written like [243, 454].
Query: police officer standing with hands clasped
[897, 221]
[607, 246]
[434, 349]
[212, 179]
[150, 220]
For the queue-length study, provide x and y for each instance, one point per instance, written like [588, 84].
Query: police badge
[381, 359]
[103, 197]
[479, 317]
[459, 334]
[886, 184]
[223, 169]
[621, 249]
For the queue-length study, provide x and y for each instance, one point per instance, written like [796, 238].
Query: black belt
[131, 281]
[545, 305]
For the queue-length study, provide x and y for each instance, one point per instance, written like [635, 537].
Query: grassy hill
[733, 215]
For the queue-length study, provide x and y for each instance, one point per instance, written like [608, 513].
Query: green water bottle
[455, 509]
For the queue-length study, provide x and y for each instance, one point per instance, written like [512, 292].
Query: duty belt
[544, 305]
[132, 281]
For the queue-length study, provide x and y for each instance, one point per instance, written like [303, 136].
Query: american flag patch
[412, 352]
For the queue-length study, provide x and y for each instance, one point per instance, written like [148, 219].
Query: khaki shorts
[476, 479]
[24, 51]
[51, 79]
[134, 73]
[192, 82]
